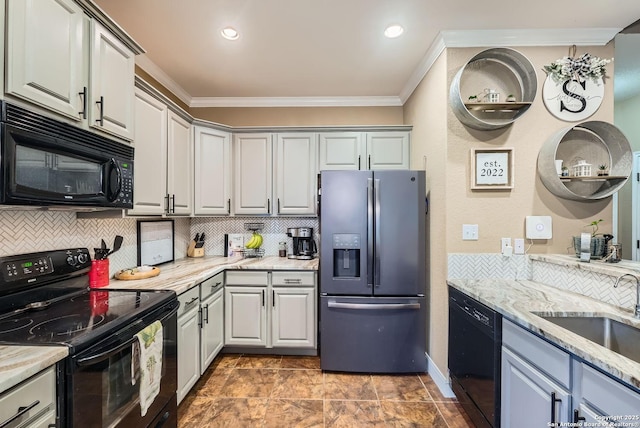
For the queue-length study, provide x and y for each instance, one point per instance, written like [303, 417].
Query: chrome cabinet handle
[373, 306]
[293, 281]
[370, 232]
[21, 411]
[101, 104]
[376, 274]
[83, 94]
[205, 309]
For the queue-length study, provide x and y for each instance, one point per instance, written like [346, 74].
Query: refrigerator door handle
[370, 232]
[373, 306]
[376, 274]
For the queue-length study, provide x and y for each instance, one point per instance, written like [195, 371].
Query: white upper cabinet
[212, 171]
[388, 150]
[364, 150]
[112, 83]
[46, 55]
[341, 150]
[68, 63]
[163, 165]
[179, 165]
[149, 172]
[295, 173]
[252, 173]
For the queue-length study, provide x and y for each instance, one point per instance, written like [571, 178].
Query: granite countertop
[19, 363]
[515, 300]
[183, 274]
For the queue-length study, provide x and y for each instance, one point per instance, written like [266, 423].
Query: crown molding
[504, 38]
[525, 37]
[390, 101]
[444, 40]
[163, 78]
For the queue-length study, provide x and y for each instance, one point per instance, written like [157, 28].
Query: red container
[99, 273]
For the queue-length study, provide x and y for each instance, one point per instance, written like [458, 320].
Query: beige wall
[426, 110]
[497, 213]
[300, 116]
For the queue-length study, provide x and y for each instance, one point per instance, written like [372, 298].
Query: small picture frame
[155, 242]
[492, 169]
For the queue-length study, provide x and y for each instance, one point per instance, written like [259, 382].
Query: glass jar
[282, 249]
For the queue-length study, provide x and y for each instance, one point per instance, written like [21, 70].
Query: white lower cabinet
[535, 373]
[270, 309]
[200, 331]
[528, 394]
[35, 398]
[188, 341]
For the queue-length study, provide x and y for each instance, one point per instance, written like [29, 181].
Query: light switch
[469, 232]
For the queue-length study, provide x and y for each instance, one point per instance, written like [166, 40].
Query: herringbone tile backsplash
[585, 282]
[31, 231]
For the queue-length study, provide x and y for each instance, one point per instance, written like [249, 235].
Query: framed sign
[155, 242]
[492, 169]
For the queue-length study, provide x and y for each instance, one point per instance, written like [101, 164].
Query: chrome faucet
[637, 311]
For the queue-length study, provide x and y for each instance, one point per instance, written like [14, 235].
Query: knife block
[192, 251]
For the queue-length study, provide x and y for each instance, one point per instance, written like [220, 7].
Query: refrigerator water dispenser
[346, 255]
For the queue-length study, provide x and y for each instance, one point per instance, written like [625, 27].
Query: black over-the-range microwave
[46, 163]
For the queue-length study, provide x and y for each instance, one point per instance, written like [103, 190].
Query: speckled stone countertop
[183, 274]
[516, 300]
[18, 363]
[597, 266]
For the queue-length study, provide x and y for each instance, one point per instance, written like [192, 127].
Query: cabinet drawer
[189, 300]
[608, 395]
[294, 278]
[246, 278]
[41, 387]
[544, 355]
[211, 285]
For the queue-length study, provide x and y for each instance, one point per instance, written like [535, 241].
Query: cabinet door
[527, 395]
[245, 316]
[293, 317]
[112, 84]
[212, 172]
[252, 174]
[149, 169]
[341, 150]
[188, 352]
[179, 161]
[46, 53]
[296, 186]
[212, 333]
[388, 150]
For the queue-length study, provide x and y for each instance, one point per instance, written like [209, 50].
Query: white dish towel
[150, 345]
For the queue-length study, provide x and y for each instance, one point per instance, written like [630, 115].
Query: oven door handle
[83, 362]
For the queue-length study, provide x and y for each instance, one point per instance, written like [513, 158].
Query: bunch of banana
[255, 241]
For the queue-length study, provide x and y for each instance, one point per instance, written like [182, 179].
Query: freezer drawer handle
[373, 306]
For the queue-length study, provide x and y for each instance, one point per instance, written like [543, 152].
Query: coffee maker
[304, 247]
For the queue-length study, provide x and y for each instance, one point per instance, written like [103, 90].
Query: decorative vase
[598, 246]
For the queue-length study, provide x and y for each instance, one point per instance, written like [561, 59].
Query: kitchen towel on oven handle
[147, 360]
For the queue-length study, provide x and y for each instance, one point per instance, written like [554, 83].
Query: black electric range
[45, 300]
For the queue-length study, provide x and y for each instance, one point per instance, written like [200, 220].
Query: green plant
[602, 167]
[594, 226]
[473, 98]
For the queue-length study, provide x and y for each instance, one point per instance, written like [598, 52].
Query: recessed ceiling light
[393, 31]
[230, 33]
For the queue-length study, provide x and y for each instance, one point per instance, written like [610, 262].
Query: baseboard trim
[441, 381]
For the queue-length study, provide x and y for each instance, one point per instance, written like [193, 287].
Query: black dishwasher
[475, 340]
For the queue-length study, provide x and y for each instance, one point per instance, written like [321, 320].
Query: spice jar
[282, 249]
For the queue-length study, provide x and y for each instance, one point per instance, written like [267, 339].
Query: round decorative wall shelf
[503, 70]
[597, 143]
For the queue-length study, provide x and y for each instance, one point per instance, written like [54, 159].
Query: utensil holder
[99, 273]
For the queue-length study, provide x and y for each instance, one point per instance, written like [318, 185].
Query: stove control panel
[36, 267]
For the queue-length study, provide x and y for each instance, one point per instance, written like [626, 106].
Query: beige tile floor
[288, 391]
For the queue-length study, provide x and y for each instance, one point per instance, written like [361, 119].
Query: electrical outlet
[506, 242]
[518, 246]
[469, 232]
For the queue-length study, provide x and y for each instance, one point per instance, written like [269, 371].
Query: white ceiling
[333, 52]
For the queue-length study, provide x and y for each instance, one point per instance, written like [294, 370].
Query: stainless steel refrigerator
[373, 271]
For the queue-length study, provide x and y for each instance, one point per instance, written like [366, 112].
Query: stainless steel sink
[619, 337]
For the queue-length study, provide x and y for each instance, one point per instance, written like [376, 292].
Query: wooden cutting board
[134, 273]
